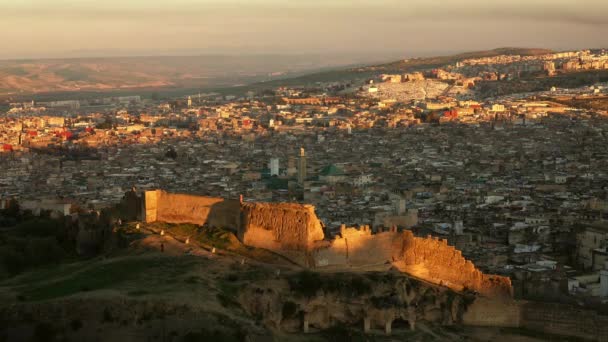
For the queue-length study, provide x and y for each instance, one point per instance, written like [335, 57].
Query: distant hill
[19, 77]
[433, 62]
[401, 66]
[172, 75]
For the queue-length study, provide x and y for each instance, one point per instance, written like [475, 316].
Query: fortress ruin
[295, 232]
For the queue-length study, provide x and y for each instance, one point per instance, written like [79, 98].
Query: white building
[274, 166]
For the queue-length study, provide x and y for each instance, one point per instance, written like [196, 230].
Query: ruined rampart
[182, 208]
[565, 320]
[359, 247]
[428, 258]
[549, 318]
[286, 228]
[434, 260]
[294, 231]
[493, 312]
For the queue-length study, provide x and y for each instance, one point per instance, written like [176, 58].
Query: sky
[73, 28]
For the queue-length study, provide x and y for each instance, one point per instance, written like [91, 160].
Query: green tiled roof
[331, 170]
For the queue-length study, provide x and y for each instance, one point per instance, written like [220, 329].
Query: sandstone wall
[491, 312]
[294, 231]
[564, 320]
[433, 260]
[151, 205]
[182, 208]
[429, 258]
[358, 247]
[286, 228]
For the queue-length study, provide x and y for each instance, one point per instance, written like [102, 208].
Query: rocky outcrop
[311, 300]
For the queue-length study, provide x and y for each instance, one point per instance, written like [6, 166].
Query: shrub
[11, 260]
[44, 332]
[289, 309]
[305, 283]
[42, 251]
[107, 316]
[76, 324]
[41, 227]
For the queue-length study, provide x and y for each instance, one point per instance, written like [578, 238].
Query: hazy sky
[41, 28]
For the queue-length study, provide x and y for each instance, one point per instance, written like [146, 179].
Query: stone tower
[302, 167]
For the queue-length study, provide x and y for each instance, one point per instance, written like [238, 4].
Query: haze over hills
[128, 73]
[406, 65]
[23, 77]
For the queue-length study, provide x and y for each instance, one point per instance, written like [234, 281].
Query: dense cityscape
[499, 159]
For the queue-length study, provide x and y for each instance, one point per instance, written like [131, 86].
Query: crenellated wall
[294, 231]
[434, 260]
[428, 258]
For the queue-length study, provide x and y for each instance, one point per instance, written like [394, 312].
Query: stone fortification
[550, 318]
[359, 247]
[286, 228]
[428, 258]
[294, 231]
[565, 320]
[182, 208]
[434, 260]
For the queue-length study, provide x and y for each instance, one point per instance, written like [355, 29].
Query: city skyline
[318, 170]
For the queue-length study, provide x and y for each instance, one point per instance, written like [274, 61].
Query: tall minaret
[302, 167]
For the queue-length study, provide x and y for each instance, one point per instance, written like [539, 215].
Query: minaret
[302, 167]
[274, 166]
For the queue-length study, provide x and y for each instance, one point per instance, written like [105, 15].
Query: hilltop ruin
[294, 231]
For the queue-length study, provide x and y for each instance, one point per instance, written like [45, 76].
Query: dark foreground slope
[187, 283]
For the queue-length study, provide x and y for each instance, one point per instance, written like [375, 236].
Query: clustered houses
[517, 183]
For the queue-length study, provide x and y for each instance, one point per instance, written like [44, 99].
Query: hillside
[132, 73]
[433, 62]
[401, 66]
[173, 75]
[215, 289]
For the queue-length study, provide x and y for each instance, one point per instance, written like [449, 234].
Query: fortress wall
[151, 205]
[489, 312]
[429, 259]
[434, 260]
[294, 231]
[564, 320]
[358, 247]
[373, 249]
[334, 255]
[289, 226]
[181, 208]
[285, 228]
